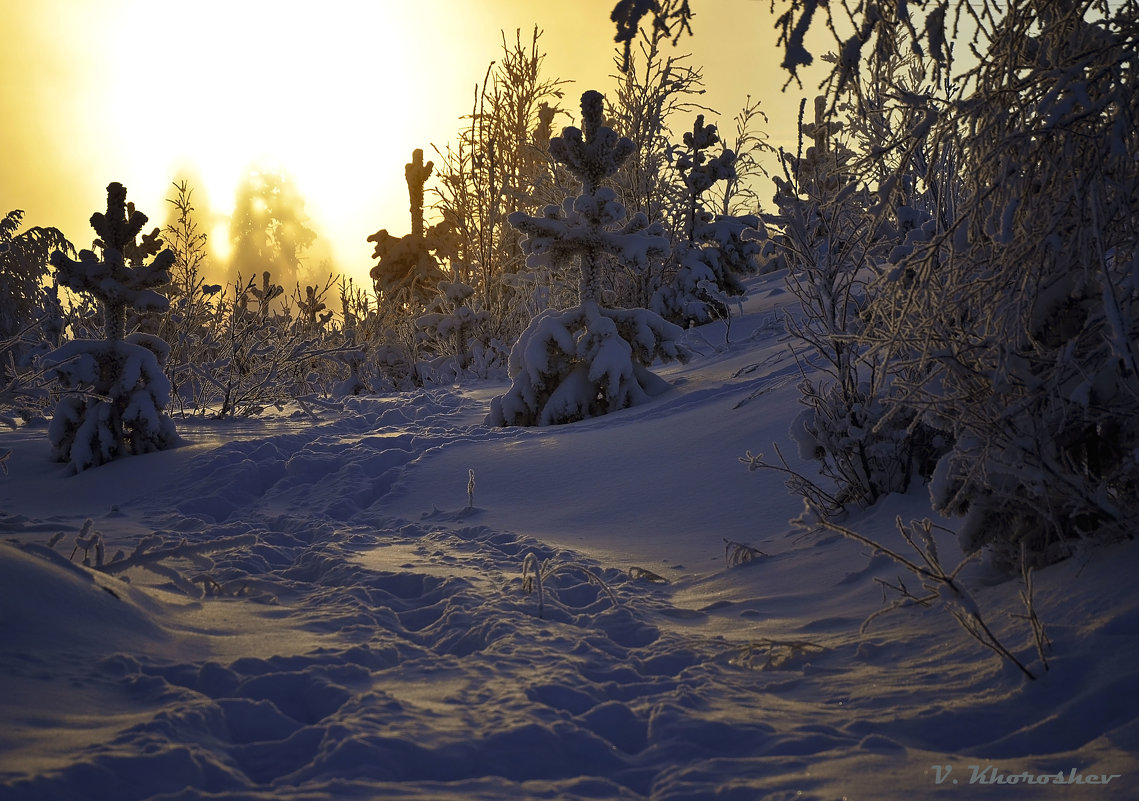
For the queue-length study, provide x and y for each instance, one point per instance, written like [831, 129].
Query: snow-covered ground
[336, 620]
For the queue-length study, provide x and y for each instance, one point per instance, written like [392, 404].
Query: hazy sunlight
[146, 92]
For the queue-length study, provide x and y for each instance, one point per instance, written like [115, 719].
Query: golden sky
[336, 93]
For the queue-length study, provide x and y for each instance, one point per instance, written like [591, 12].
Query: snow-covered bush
[1018, 318]
[24, 390]
[193, 322]
[237, 350]
[30, 316]
[863, 449]
[586, 360]
[832, 245]
[458, 334]
[23, 271]
[262, 355]
[375, 348]
[354, 311]
[496, 165]
[116, 390]
[1010, 321]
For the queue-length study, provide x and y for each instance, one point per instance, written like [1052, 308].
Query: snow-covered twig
[796, 482]
[535, 574]
[146, 555]
[153, 552]
[738, 553]
[940, 585]
[1039, 636]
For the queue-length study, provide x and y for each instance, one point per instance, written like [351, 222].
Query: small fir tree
[456, 331]
[407, 271]
[714, 252]
[587, 360]
[116, 389]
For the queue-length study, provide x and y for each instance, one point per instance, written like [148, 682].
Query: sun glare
[335, 99]
[335, 95]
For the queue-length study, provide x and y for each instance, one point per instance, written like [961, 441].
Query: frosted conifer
[715, 252]
[407, 267]
[587, 360]
[116, 390]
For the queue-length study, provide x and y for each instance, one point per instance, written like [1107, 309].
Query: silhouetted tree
[269, 230]
[497, 166]
[407, 271]
[23, 270]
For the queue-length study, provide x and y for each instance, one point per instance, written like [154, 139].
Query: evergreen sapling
[715, 251]
[407, 267]
[586, 360]
[116, 391]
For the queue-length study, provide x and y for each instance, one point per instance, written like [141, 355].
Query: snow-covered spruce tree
[457, 334]
[116, 390]
[587, 360]
[712, 254]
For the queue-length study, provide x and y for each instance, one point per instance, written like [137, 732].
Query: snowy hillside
[330, 609]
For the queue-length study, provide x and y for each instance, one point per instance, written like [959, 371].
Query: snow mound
[49, 602]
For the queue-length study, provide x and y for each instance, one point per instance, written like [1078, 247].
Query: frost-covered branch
[940, 586]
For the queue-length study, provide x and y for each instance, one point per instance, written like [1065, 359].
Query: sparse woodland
[958, 228]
